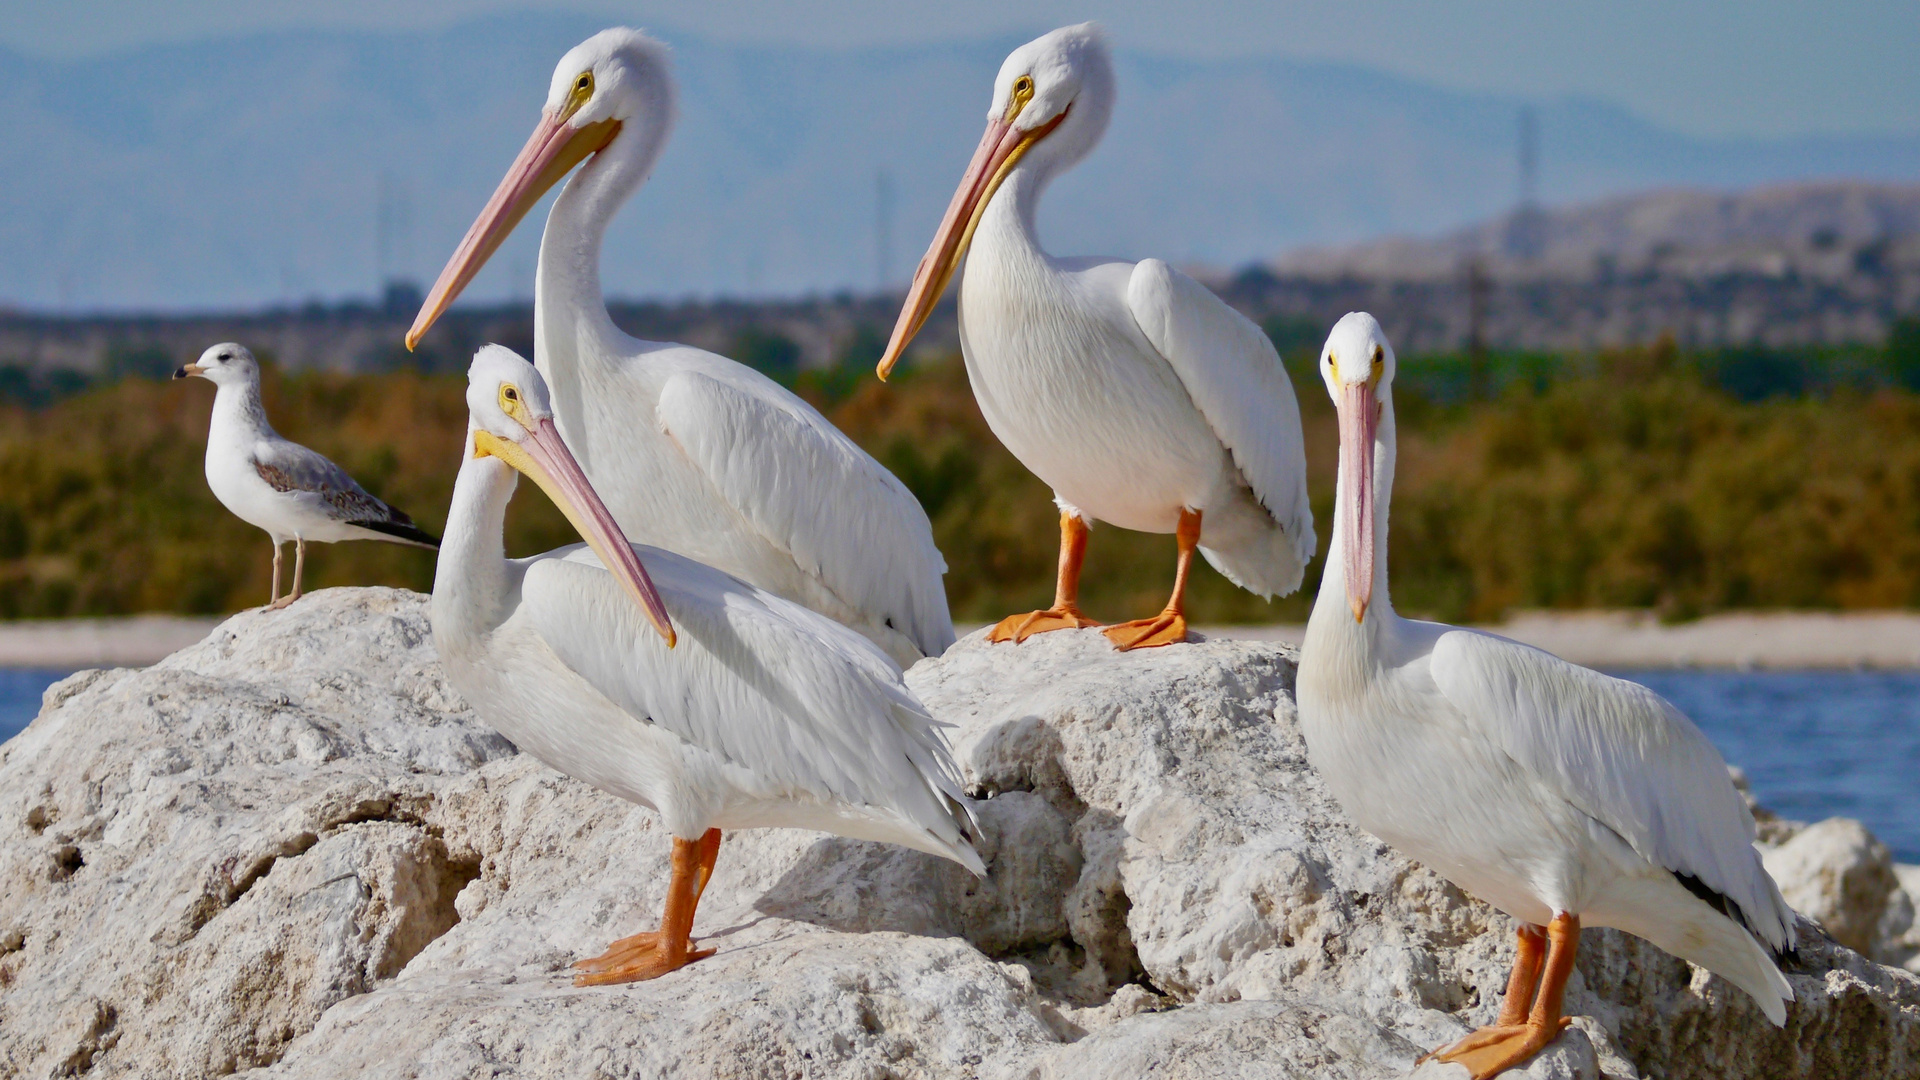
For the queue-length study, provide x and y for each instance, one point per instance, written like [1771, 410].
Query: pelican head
[510, 417]
[1357, 366]
[223, 365]
[1050, 105]
[617, 81]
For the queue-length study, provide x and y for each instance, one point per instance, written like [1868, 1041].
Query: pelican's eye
[1379, 356]
[512, 405]
[582, 92]
[1022, 93]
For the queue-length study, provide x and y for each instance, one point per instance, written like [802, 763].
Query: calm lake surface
[1814, 744]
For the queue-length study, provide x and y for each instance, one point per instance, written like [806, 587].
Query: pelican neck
[571, 326]
[472, 577]
[1007, 226]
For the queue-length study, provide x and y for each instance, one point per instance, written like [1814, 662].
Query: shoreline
[1791, 641]
[130, 641]
[1735, 641]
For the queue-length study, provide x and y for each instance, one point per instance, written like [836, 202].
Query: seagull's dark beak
[185, 370]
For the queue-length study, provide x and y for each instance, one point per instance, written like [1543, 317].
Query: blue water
[20, 690]
[1814, 744]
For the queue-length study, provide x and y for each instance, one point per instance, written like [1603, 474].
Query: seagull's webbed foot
[1167, 628]
[280, 604]
[1018, 628]
[1491, 1051]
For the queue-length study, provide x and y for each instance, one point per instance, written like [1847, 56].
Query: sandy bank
[79, 643]
[1606, 639]
[1622, 639]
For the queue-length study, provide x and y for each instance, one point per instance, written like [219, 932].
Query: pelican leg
[299, 567]
[1065, 614]
[274, 600]
[1530, 949]
[1170, 625]
[653, 953]
[1493, 1050]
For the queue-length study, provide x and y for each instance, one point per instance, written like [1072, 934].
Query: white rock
[1898, 938]
[1835, 873]
[290, 848]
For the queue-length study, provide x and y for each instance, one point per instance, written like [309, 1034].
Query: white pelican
[743, 710]
[1557, 794]
[694, 452]
[280, 486]
[1139, 396]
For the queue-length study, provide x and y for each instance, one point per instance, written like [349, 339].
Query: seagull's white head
[510, 417]
[616, 85]
[1050, 105]
[1357, 366]
[225, 364]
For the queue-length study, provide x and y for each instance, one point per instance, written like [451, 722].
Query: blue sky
[1710, 67]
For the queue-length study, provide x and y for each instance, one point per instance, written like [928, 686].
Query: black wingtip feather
[403, 530]
[1725, 905]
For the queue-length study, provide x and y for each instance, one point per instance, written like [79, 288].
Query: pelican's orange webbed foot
[1167, 628]
[1493, 1050]
[635, 959]
[653, 953]
[1018, 628]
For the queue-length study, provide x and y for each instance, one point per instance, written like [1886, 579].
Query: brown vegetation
[1628, 481]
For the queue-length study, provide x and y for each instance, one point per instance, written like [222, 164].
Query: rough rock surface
[292, 849]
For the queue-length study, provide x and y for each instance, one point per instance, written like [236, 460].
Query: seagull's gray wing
[290, 467]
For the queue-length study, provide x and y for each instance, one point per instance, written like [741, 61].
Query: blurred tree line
[1644, 477]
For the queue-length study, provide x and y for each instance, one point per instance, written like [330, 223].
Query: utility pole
[1479, 287]
[1526, 232]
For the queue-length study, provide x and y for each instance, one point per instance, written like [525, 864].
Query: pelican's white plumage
[691, 451]
[271, 482]
[760, 713]
[1131, 389]
[1544, 788]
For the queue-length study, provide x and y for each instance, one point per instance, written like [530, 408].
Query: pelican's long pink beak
[1000, 150]
[1359, 420]
[552, 151]
[543, 456]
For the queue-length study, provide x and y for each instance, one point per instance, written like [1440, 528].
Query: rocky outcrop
[292, 849]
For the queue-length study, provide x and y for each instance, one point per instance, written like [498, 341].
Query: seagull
[281, 486]
[1557, 794]
[1140, 397]
[693, 452]
[668, 683]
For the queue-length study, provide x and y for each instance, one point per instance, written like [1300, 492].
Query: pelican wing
[806, 705]
[803, 485]
[1236, 380]
[1624, 756]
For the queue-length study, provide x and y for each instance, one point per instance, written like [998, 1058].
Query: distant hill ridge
[1833, 229]
[245, 171]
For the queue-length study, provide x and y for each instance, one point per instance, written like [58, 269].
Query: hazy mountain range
[1833, 230]
[252, 170]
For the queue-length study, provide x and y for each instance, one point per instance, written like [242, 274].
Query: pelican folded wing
[805, 487]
